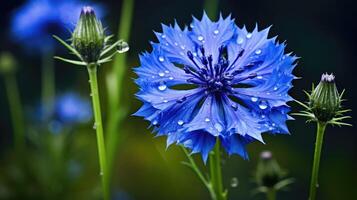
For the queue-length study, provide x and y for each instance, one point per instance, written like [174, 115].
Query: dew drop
[165, 101]
[258, 51]
[94, 126]
[161, 59]
[122, 47]
[234, 182]
[171, 78]
[162, 87]
[263, 105]
[249, 35]
[167, 71]
[192, 26]
[163, 36]
[218, 127]
[254, 99]
[161, 74]
[183, 47]
[259, 77]
[240, 40]
[275, 88]
[176, 44]
[216, 31]
[200, 38]
[207, 119]
[180, 122]
[154, 122]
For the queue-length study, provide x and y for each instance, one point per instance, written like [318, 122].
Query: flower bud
[268, 171]
[7, 63]
[88, 37]
[325, 100]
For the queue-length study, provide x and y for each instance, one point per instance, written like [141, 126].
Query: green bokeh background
[321, 32]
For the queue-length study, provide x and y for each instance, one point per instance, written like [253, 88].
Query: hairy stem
[315, 169]
[98, 125]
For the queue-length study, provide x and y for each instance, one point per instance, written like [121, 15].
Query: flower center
[216, 78]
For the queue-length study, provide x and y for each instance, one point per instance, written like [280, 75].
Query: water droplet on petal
[161, 74]
[234, 182]
[216, 31]
[275, 88]
[154, 122]
[200, 38]
[182, 47]
[163, 36]
[240, 40]
[254, 99]
[259, 77]
[258, 51]
[249, 35]
[167, 71]
[207, 119]
[162, 87]
[165, 101]
[192, 26]
[180, 122]
[263, 105]
[171, 78]
[218, 127]
[176, 44]
[161, 59]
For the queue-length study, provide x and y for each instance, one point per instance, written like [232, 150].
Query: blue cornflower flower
[72, 108]
[35, 22]
[215, 80]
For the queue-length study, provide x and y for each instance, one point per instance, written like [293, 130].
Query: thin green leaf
[108, 49]
[75, 62]
[69, 47]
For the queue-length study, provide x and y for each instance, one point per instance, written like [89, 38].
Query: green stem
[271, 194]
[16, 112]
[48, 83]
[98, 125]
[315, 169]
[196, 169]
[211, 7]
[216, 172]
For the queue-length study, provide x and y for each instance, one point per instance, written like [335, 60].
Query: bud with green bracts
[324, 103]
[90, 43]
[88, 37]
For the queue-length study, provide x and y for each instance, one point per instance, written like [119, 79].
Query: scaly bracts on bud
[324, 103]
[90, 43]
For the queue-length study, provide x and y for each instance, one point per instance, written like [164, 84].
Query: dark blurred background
[321, 32]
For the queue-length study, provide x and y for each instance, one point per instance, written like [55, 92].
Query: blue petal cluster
[214, 80]
[35, 22]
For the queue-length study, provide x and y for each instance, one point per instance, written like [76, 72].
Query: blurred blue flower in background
[35, 22]
[215, 80]
[71, 108]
